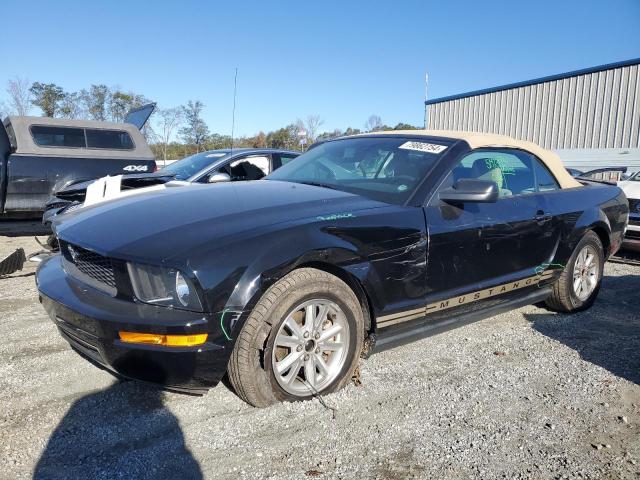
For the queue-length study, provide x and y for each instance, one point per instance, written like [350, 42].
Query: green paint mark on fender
[224, 312]
[335, 216]
[542, 267]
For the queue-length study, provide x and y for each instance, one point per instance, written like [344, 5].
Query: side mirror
[471, 190]
[219, 177]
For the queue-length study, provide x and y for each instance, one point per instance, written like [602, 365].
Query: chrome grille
[91, 264]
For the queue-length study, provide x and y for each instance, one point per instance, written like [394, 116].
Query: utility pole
[233, 116]
[426, 97]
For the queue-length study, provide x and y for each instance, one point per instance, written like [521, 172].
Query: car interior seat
[246, 171]
[483, 170]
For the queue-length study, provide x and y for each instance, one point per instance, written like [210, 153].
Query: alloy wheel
[310, 347]
[585, 272]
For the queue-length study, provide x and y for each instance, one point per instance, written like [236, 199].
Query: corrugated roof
[574, 73]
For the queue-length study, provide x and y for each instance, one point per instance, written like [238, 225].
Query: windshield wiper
[317, 184]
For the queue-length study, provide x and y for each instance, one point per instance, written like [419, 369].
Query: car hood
[168, 224]
[128, 181]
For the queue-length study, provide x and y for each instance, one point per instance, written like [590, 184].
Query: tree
[329, 135]
[312, 125]
[282, 138]
[405, 126]
[195, 131]
[373, 123]
[95, 101]
[120, 103]
[259, 141]
[216, 141]
[71, 106]
[47, 97]
[19, 96]
[352, 131]
[169, 120]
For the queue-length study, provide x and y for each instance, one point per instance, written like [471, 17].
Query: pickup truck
[41, 155]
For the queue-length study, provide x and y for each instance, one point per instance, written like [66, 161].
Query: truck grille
[634, 205]
[91, 264]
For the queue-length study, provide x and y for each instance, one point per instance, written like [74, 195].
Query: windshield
[636, 177]
[388, 169]
[189, 166]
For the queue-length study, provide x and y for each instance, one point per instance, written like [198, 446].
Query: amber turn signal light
[167, 340]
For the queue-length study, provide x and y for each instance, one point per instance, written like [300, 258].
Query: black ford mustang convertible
[360, 244]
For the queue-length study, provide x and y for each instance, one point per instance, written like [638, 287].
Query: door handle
[542, 217]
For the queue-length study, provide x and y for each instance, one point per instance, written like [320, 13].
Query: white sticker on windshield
[215, 155]
[423, 147]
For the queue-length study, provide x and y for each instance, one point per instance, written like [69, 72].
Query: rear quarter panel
[602, 208]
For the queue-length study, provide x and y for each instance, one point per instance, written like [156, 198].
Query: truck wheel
[303, 338]
[579, 284]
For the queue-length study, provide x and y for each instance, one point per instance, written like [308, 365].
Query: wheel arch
[353, 283]
[256, 280]
[594, 220]
[603, 234]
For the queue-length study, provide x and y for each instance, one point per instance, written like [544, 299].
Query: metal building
[591, 117]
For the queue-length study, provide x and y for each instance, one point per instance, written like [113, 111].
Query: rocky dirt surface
[528, 394]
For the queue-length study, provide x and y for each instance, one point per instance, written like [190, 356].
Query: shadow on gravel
[123, 431]
[608, 334]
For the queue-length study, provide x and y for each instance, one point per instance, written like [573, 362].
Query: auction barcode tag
[423, 147]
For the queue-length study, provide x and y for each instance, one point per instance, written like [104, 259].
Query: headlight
[163, 286]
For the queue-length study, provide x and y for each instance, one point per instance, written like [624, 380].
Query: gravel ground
[527, 394]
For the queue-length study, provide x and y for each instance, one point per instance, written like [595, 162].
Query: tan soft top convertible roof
[479, 140]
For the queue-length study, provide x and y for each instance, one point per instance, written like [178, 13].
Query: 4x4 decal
[136, 168]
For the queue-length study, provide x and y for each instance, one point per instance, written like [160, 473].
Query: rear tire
[579, 284]
[310, 320]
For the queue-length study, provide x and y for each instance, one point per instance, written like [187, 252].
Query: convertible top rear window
[388, 169]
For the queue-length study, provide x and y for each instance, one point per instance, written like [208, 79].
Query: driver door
[477, 245]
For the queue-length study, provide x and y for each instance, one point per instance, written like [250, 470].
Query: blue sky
[341, 60]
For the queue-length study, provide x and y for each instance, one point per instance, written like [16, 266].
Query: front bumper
[90, 321]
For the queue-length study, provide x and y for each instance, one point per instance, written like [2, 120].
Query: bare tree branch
[313, 124]
[169, 120]
[373, 123]
[19, 96]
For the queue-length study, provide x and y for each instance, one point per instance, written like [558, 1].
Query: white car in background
[631, 188]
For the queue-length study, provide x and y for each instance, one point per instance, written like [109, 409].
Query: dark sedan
[212, 166]
[361, 244]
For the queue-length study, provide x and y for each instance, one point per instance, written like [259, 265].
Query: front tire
[303, 338]
[579, 284]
